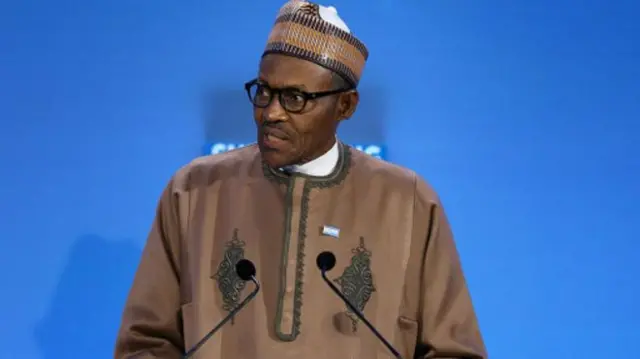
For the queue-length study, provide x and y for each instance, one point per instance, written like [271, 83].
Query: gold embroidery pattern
[356, 281]
[229, 284]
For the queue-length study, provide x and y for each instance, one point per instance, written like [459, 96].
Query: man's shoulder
[395, 175]
[206, 169]
[372, 166]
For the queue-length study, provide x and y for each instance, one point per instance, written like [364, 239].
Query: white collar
[321, 166]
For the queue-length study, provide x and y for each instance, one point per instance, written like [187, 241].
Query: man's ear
[347, 104]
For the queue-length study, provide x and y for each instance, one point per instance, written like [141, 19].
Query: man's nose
[274, 112]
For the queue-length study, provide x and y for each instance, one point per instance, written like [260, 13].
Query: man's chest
[283, 231]
[293, 223]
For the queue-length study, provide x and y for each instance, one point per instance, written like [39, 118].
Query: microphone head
[326, 261]
[245, 269]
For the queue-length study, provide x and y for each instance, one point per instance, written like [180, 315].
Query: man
[280, 203]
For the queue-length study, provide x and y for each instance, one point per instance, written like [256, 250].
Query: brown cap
[316, 33]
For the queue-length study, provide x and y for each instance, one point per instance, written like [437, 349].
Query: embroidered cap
[316, 33]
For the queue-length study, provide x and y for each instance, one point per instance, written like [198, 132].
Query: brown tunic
[396, 260]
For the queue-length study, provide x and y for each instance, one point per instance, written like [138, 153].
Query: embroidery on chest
[229, 283]
[356, 281]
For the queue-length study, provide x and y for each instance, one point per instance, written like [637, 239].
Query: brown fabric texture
[396, 260]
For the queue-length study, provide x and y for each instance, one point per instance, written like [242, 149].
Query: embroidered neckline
[334, 178]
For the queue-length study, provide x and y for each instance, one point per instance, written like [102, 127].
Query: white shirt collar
[321, 166]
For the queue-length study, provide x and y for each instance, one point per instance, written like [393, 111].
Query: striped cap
[316, 33]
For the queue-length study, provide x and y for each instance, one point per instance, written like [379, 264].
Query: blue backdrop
[525, 116]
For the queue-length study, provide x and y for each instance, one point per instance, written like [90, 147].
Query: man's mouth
[274, 133]
[274, 138]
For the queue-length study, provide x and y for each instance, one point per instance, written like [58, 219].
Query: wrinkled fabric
[396, 261]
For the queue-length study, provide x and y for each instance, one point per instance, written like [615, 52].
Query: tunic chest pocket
[407, 336]
[404, 339]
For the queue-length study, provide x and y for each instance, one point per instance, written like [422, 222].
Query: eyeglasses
[291, 99]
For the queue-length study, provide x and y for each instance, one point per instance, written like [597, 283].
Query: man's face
[288, 138]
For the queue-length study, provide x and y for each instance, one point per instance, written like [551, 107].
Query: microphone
[325, 262]
[247, 272]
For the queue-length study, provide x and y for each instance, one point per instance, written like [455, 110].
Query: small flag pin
[330, 231]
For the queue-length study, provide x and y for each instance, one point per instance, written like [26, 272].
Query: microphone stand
[231, 314]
